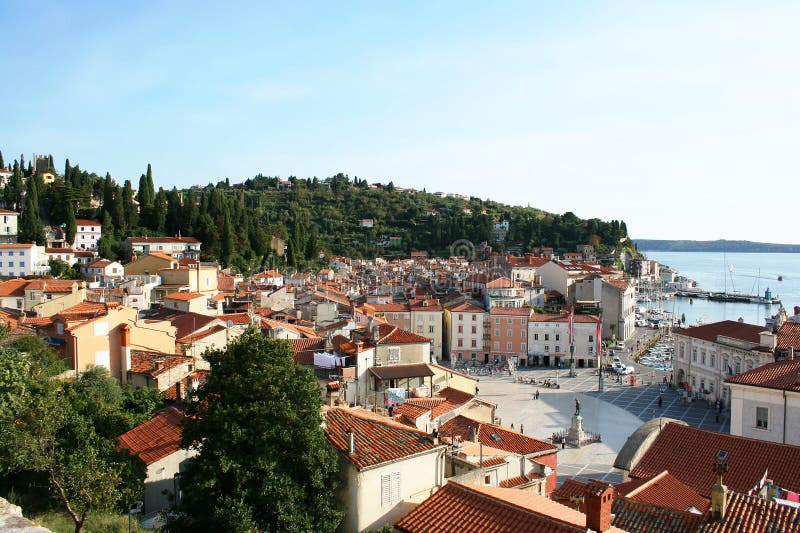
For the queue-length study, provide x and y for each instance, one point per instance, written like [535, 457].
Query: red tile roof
[162, 240]
[511, 311]
[506, 439]
[642, 517]
[377, 439]
[13, 287]
[53, 285]
[789, 336]
[13, 246]
[388, 334]
[688, 453]
[183, 296]
[478, 509]
[577, 319]
[147, 363]
[304, 349]
[466, 307]
[86, 222]
[781, 375]
[727, 328]
[750, 514]
[155, 439]
[411, 411]
[571, 487]
[663, 490]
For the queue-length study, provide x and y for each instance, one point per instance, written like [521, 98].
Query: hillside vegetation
[237, 223]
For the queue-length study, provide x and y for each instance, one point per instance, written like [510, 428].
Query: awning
[54, 341]
[417, 370]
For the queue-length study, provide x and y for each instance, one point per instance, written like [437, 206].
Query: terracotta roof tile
[689, 452]
[153, 364]
[388, 334]
[663, 490]
[495, 436]
[13, 287]
[643, 517]
[377, 439]
[155, 439]
[789, 336]
[183, 296]
[727, 328]
[750, 514]
[564, 318]
[781, 375]
[511, 311]
[477, 509]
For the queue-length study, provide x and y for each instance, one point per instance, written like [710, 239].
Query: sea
[748, 273]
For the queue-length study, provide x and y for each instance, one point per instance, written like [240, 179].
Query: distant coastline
[714, 246]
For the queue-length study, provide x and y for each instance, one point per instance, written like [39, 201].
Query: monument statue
[577, 407]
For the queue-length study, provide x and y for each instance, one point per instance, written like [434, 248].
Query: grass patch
[95, 523]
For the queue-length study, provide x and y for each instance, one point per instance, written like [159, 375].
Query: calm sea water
[744, 273]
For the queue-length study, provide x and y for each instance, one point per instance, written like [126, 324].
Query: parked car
[620, 345]
[628, 370]
[616, 359]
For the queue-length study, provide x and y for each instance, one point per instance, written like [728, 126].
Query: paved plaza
[615, 413]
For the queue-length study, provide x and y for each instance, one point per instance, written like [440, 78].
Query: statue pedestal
[576, 433]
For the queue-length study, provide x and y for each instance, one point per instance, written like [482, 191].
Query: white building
[62, 254]
[177, 247]
[765, 402]
[706, 355]
[22, 260]
[87, 234]
[548, 340]
[8, 227]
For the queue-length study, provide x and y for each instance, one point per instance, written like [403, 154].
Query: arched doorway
[681, 377]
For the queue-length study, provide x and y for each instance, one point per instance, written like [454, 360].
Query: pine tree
[2, 163]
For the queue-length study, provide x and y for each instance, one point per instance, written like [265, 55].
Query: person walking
[660, 399]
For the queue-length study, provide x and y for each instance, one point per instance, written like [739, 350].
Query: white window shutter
[386, 489]
[395, 487]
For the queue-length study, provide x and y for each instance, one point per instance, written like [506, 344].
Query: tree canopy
[264, 463]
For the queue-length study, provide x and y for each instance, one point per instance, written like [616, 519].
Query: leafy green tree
[42, 419]
[264, 463]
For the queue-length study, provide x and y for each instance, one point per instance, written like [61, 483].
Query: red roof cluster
[494, 436]
[727, 328]
[377, 439]
[155, 439]
[789, 336]
[688, 453]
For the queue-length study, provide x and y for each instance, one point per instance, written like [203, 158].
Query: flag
[599, 334]
[730, 370]
[570, 333]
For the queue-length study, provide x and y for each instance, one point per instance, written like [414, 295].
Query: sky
[680, 118]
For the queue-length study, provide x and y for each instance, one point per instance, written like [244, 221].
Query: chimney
[767, 339]
[159, 364]
[435, 436]
[351, 441]
[719, 492]
[125, 348]
[598, 499]
[475, 434]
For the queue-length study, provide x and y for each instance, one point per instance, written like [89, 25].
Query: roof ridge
[647, 483]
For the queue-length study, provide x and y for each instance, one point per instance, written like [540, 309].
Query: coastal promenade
[615, 413]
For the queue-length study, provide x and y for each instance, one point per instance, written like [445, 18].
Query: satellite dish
[229, 324]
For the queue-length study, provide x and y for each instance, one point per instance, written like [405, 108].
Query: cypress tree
[72, 227]
[131, 215]
[31, 228]
[159, 216]
[151, 190]
[227, 241]
[118, 210]
[2, 164]
[67, 173]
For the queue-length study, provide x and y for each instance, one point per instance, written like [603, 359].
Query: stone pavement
[615, 413]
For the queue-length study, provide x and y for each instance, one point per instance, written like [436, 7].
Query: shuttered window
[390, 489]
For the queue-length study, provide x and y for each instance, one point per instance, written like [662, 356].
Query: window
[496, 320]
[474, 317]
[60, 328]
[694, 354]
[474, 343]
[474, 329]
[460, 343]
[22, 264]
[523, 347]
[496, 332]
[558, 349]
[762, 417]
[547, 336]
[487, 480]
[591, 349]
[390, 489]
[510, 321]
[522, 333]
[591, 338]
[496, 345]
[509, 333]
[558, 337]
[101, 358]
[393, 356]
[419, 329]
[714, 360]
[461, 317]
[546, 348]
[703, 357]
[460, 357]
[461, 329]
[474, 356]
[11, 264]
[536, 336]
[20, 254]
[509, 347]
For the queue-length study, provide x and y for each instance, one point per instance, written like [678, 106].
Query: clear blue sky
[681, 119]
